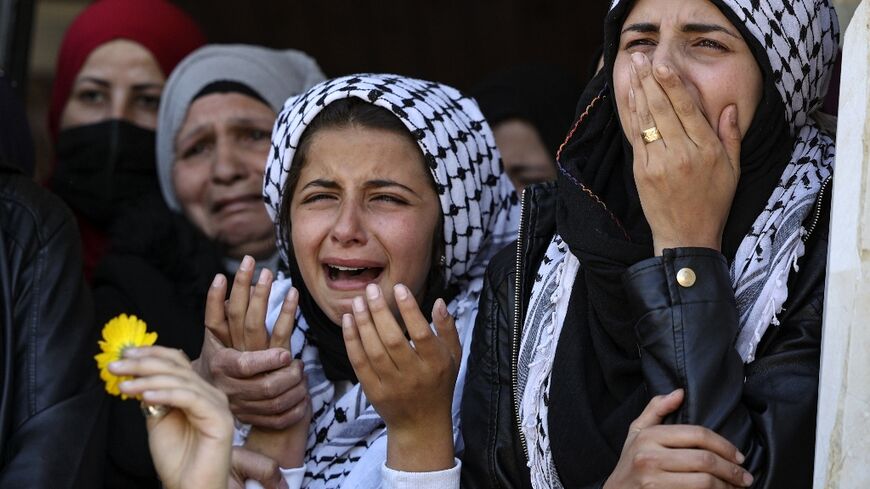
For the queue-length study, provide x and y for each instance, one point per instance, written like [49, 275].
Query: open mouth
[360, 276]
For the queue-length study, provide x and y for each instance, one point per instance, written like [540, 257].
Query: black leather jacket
[766, 408]
[52, 423]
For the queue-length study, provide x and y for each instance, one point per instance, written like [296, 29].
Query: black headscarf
[598, 387]
[542, 95]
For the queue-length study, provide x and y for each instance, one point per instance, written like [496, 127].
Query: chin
[248, 243]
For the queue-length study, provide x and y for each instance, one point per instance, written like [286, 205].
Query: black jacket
[52, 410]
[769, 416]
[158, 268]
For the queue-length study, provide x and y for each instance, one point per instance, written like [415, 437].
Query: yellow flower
[120, 333]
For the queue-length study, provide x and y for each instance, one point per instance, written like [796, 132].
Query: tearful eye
[316, 198]
[639, 43]
[390, 199]
[708, 43]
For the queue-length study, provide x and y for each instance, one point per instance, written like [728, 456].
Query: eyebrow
[378, 183]
[692, 28]
[147, 86]
[105, 83]
[235, 122]
[95, 81]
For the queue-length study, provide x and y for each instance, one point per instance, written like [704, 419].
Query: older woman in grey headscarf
[213, 139]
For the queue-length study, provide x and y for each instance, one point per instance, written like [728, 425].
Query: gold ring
[651, 135]
[153, 410]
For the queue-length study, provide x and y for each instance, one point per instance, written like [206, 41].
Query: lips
[351, 275]
[236, 204]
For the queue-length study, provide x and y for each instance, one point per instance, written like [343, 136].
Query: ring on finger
[651, 135]
[153, 410]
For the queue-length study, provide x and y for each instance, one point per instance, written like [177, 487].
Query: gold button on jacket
[686, 277]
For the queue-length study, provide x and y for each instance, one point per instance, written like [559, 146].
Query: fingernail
[247, 263]
[637, 59]
[264, 276]
[359, 305]
[131, 352]
[117, 365]
[373, 291]
[401, 291]
[740, 457]
[747, 479]
[126, 385]
[733, 115]
[293, 295]
[441, 308]
[631, 95]
[218, 281]
[346, 320]
[663, 70]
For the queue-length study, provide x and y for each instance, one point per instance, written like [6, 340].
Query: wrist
[661, 244]
[286, 446]
[201, 369]
[425, 447]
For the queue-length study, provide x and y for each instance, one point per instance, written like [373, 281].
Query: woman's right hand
[675, 456]
[409, 384]
[190, 444]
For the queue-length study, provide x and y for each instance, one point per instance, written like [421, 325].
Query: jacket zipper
[818, 210]
[518, 314]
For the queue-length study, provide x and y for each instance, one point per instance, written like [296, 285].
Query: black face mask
[103, 168]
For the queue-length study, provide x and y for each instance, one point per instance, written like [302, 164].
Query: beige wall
[845, 10]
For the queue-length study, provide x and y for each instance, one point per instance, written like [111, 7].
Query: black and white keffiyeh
[801, 40]
[347, 442]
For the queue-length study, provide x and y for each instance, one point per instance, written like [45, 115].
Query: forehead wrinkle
[203, 119]
[698, 13]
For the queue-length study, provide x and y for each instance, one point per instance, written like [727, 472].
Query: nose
[120, 106]
[349, 227]
[669, 54]
[228, 165]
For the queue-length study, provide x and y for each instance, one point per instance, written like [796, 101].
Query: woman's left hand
[410, 385]
[190, 444]
[686, 179]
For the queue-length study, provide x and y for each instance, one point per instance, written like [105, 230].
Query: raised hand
[239, 324]
[675, 456]
[410, 385]
[190, 444]
[264, 384]
[686, 179]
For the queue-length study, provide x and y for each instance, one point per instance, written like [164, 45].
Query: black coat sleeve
[686, 334]
[493, 456]
[55, 431]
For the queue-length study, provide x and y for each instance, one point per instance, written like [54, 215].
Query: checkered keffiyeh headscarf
[347, 442]
[456, 142]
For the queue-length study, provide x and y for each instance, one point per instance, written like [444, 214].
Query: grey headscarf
[274, 75]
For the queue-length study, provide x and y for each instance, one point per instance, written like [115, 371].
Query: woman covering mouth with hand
[662, 325]
[389, 200]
